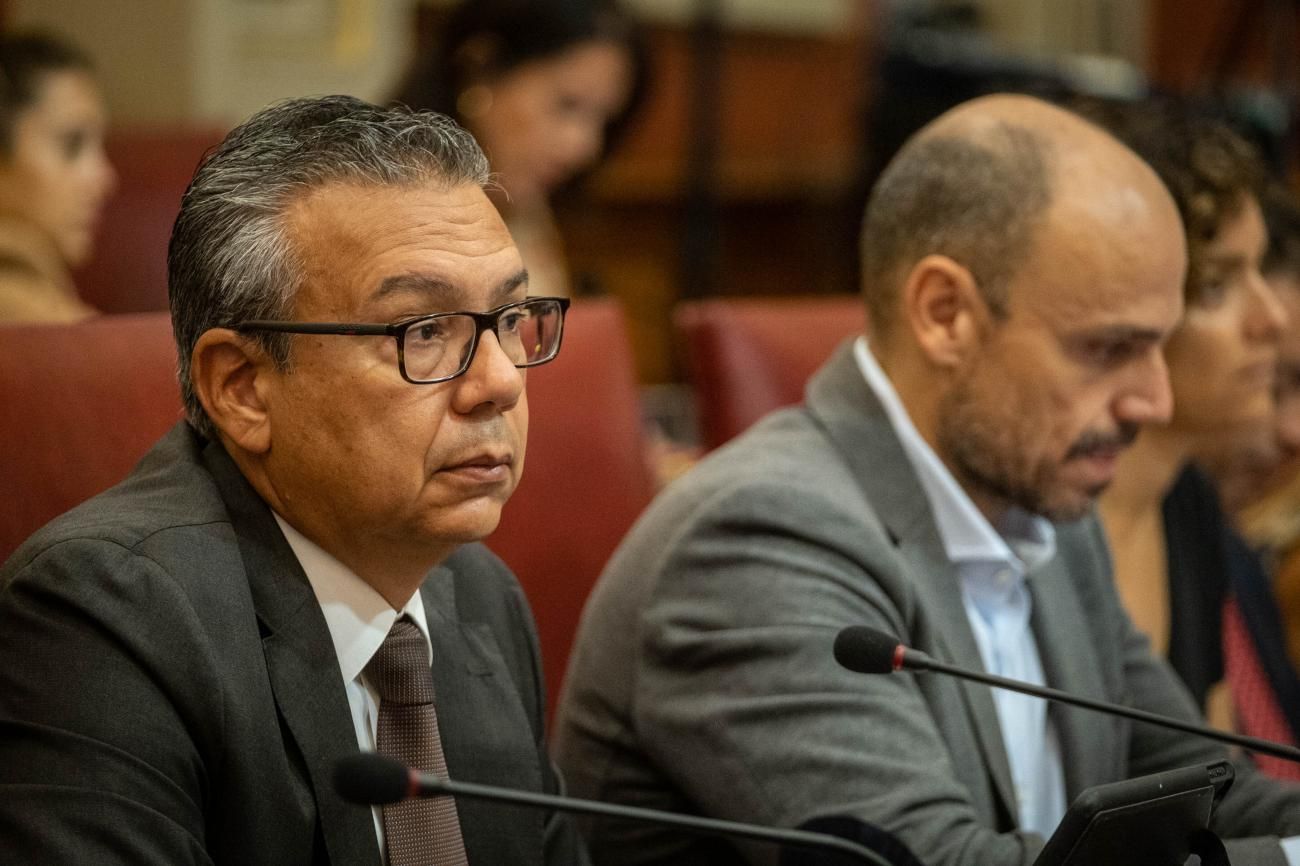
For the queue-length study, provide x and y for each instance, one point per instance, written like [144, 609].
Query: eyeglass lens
[437, 348]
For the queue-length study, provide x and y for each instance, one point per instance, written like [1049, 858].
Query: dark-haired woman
[545, 87]
[54, 176]
[1186, 577]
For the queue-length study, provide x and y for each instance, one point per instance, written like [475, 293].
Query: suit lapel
[300, 660]
[840, 400]
[953, 642]
[1070, 666]
[485, 732]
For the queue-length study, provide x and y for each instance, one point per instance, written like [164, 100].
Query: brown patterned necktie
[422, 832]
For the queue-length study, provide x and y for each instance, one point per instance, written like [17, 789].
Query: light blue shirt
[992, 564]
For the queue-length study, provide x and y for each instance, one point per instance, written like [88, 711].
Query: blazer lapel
[953, 642]
[300, 660]
[1068, 665]
[841, 401]
[484, 730]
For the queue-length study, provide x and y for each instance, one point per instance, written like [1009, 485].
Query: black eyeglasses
[441, 346]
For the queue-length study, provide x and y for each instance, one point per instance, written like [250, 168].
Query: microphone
[371, 779]
[868, 651]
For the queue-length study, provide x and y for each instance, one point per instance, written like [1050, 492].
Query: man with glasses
[291, 574]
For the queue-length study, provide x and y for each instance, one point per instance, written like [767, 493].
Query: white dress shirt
[359, 619]
[992, 565]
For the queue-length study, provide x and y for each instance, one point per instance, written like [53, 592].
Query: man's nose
[1147, 398]
[492, 378]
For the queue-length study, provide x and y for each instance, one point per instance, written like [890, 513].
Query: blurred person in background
[546, 88]
[1177, 558]
[1259, 470]
[54, 176]
[1254, 466]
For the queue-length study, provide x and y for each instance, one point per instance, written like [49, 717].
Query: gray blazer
[169, 691]
[703, 678]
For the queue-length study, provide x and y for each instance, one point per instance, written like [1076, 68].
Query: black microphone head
[371, 779]
[866, 650]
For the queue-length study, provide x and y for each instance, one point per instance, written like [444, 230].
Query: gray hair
[230, 258]
[975, 201]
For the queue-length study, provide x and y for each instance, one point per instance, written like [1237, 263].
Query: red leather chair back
[586, 477]
[128, 271]
[748, 356]
[79, 406]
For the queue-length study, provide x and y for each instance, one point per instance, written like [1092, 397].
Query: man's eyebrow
[1123, 334]
[440, 294]
[434, 291]
[510, 285]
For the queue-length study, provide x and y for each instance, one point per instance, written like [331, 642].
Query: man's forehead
[428, 247]
[1117, 300]
[343, 201]
[1085, 280]
[436, 292]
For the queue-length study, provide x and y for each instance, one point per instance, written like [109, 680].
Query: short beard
[988, 458]
[982, 454]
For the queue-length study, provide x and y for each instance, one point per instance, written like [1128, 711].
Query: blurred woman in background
[546, 88]
[54, 176]
[1180, 567]
[1259, 471]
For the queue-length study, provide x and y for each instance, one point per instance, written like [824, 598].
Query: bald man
[1022, 270]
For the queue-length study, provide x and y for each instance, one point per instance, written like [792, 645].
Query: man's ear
[942, 306]
[230, 375]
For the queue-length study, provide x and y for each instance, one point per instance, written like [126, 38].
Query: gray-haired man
[184, 658]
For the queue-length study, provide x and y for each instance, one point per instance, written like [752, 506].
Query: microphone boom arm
[916, 660]
[432, 785]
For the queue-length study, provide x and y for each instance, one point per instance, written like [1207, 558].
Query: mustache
[491, 432]
[1097, 443]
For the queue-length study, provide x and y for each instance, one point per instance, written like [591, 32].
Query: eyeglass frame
[485, 321]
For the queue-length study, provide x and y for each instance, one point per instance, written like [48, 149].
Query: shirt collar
[358, 617]
[1026, 541]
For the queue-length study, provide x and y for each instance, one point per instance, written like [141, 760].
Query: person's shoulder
[780, 492]
[34, 283]
[784, 470]
[29, 297]
[786, 451]
[161, 507]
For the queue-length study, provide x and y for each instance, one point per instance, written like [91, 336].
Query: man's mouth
[1104, 447]
[481, 468]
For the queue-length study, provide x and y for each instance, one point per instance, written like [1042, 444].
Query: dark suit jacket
[169, 691]
[703, 677]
